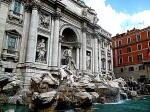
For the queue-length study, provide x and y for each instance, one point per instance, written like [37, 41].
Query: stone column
[51, 43]
[55, 44]
[100, 62]
[111, 54]
[31, 46]
[80, 58]
[106, 57]
[59, 53]
[24, 35]
[77, 57]
[3, 17]
[12, 7]
[95, 54]
[84, 49]
[116, 55]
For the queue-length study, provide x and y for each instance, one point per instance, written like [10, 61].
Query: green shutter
[11, 43]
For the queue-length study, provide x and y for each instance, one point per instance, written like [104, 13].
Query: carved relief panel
[88, 39]
[44, 21]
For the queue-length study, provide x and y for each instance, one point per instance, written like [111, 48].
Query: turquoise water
[125, 106]
[122, 106]
[17, 108]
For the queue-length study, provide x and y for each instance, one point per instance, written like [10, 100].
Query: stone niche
[41, 49]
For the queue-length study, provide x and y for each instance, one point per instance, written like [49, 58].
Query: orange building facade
[130, 51]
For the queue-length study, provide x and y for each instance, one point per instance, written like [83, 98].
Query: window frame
[12, 48]
[121, 62]
[138, 37]
[131, 69]
[119, 43]
[141, 57]
[121, 70]
[148, 34]
[15, 53]
[129, 59]
[128, 40]
[120, 51]
[128, 49]
[17, 7]
[138, 46]
[148, 44]
[141, 67]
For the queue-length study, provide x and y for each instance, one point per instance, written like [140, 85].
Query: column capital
[35, 4]
[27, 7]
[84, 29]
[56, 16]
[95, 35]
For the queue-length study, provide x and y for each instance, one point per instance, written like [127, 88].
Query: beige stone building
[35, 33]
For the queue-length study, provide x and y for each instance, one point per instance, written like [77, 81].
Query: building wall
[144, 42]
[42, 20]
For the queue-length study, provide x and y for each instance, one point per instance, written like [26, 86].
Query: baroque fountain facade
[53, 52]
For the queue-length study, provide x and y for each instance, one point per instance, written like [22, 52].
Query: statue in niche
[88, 61]
[69, 59]
[41, 51]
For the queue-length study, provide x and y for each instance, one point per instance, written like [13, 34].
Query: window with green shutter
[17, 7]
[11, 44]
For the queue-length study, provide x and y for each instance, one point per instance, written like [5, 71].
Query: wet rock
[103, 100]
[44, 98]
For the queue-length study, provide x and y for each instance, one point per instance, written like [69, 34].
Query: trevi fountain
[54, 57]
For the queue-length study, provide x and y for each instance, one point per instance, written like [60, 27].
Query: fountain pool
[125, 106]
[121, 106]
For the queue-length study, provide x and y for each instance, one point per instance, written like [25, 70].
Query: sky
[118, 16]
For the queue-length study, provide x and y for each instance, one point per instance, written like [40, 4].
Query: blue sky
[117, 16]
[129, 6]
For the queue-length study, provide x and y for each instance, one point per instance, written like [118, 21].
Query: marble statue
[132, 83]
[88, 61]
[41, 51]
[69, 59]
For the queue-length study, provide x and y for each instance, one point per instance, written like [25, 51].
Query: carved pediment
[13, 31]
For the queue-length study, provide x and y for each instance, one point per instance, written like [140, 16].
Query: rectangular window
[130, 58]
[139, 46]
[120, 51]
[149, 44]
[121, 69]
[120, 60]
[138, 38]
[131, 68]
[11, 44]
[129, 40]
[141, 67]
[139, 57]
[128, 49]
[148, 34]
[17, 7]
[119, 43]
